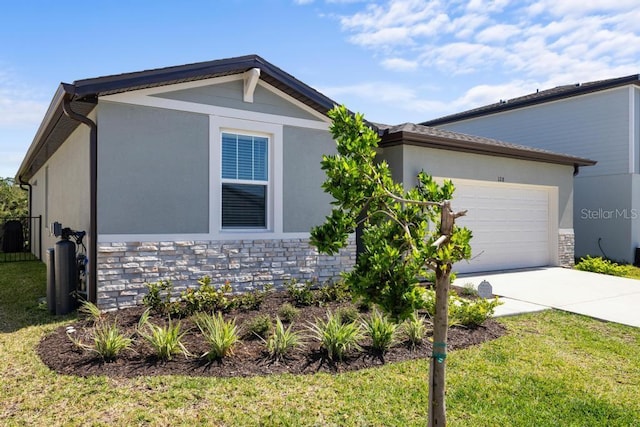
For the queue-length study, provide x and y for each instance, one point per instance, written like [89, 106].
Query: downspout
[92, 248]
[576, 170]
[29, 191]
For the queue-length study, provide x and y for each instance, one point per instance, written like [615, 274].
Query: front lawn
[552, 368]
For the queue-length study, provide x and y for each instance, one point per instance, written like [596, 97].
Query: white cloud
[399, 64]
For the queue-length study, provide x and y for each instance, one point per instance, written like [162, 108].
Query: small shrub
[462, 311]
[259, 326]
[158, 295]
[109, 342]
[282, 341]
[335, 292]
[381, 330]
[335, 337]
[252, 300]
[206, 298]
[415, 328]
[90, 311]
[301, 293]
[165, 341]
[468, 290]
[348, 314]
[602, 266]
[287, 312]
[221, 335]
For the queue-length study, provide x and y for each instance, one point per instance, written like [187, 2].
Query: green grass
[552, 369]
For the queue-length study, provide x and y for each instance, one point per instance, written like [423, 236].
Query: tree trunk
[437, 408]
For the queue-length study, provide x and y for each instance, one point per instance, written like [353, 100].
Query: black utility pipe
[93, 190]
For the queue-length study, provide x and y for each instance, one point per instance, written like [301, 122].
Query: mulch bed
[249, 359]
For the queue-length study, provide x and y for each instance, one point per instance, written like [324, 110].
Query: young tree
[13, 200]
[404, 234]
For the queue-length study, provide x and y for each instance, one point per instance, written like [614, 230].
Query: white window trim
[218, 125]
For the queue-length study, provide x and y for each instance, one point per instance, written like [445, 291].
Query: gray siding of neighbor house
[605, 212]
[230, 95]
[61, 187]
[453, 165]
[595, 126]
[305, 204]
[153, 171]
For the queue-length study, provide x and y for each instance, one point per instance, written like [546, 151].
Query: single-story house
[598, 120]
[214, 168]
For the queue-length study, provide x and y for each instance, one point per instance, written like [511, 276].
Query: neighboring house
[599, 120]
[214, 168]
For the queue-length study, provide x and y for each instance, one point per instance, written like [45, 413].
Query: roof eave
[409, 138]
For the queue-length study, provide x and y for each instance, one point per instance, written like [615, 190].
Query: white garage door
[511, 224]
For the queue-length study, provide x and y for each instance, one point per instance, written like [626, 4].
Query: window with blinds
[245, 180]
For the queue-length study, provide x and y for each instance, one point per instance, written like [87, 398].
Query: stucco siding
[594, 126]
[61, 188]
[452, 164]
[605, 214]
[153, 170]
[305, 203]
[230, 95]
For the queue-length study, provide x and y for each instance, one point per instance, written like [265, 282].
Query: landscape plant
[166, 341]
[221, 335]
[403, 234]
[602, 266]
[335, 337]
[415, 328]
[287, 312]
[382, 331]
[301, 293]
[258, 326]
[283, 341]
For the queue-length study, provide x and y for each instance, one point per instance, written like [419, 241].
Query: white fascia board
[237, 235]
[145, 97]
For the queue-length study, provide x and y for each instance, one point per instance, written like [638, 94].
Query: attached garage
[514, 225]
[519, 200]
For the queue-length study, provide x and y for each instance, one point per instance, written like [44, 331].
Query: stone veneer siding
[124, 268]
[566, 245]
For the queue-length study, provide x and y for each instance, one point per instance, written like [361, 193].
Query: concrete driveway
[610, 298]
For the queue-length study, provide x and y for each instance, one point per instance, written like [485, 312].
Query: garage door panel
[510, 225]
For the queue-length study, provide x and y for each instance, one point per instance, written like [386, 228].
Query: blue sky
[394, 60]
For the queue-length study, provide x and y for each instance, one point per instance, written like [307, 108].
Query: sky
[395, 61]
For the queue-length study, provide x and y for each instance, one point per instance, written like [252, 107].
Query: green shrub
[301, 293]
[415, 328]
[282, 341]
[259, 326]
[164, 340]
[468, 290]
[381, 330]
[602, 266]
[334, 292]
[335, 337]
[206, 298]
[90, 311]
[252, 300]
[221, 335]
[348, 314]
[109, 342]
[288, 312]
[462, 311]
[158, 295]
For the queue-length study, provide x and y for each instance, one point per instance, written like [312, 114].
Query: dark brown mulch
[58, 352]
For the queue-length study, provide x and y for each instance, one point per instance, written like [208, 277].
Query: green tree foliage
[13, 200]
[401, 228]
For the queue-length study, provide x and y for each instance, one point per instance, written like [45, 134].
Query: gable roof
[538, 97]
[83, 96]
[426, 136]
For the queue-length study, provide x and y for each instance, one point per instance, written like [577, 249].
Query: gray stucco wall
[153, 171]
[595, 126]
[61, 188]
[305, 204]
[487, 168]
[230, 95]
[605, 213]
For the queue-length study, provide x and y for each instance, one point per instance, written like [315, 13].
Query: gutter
[93, 189]
[29, 191]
